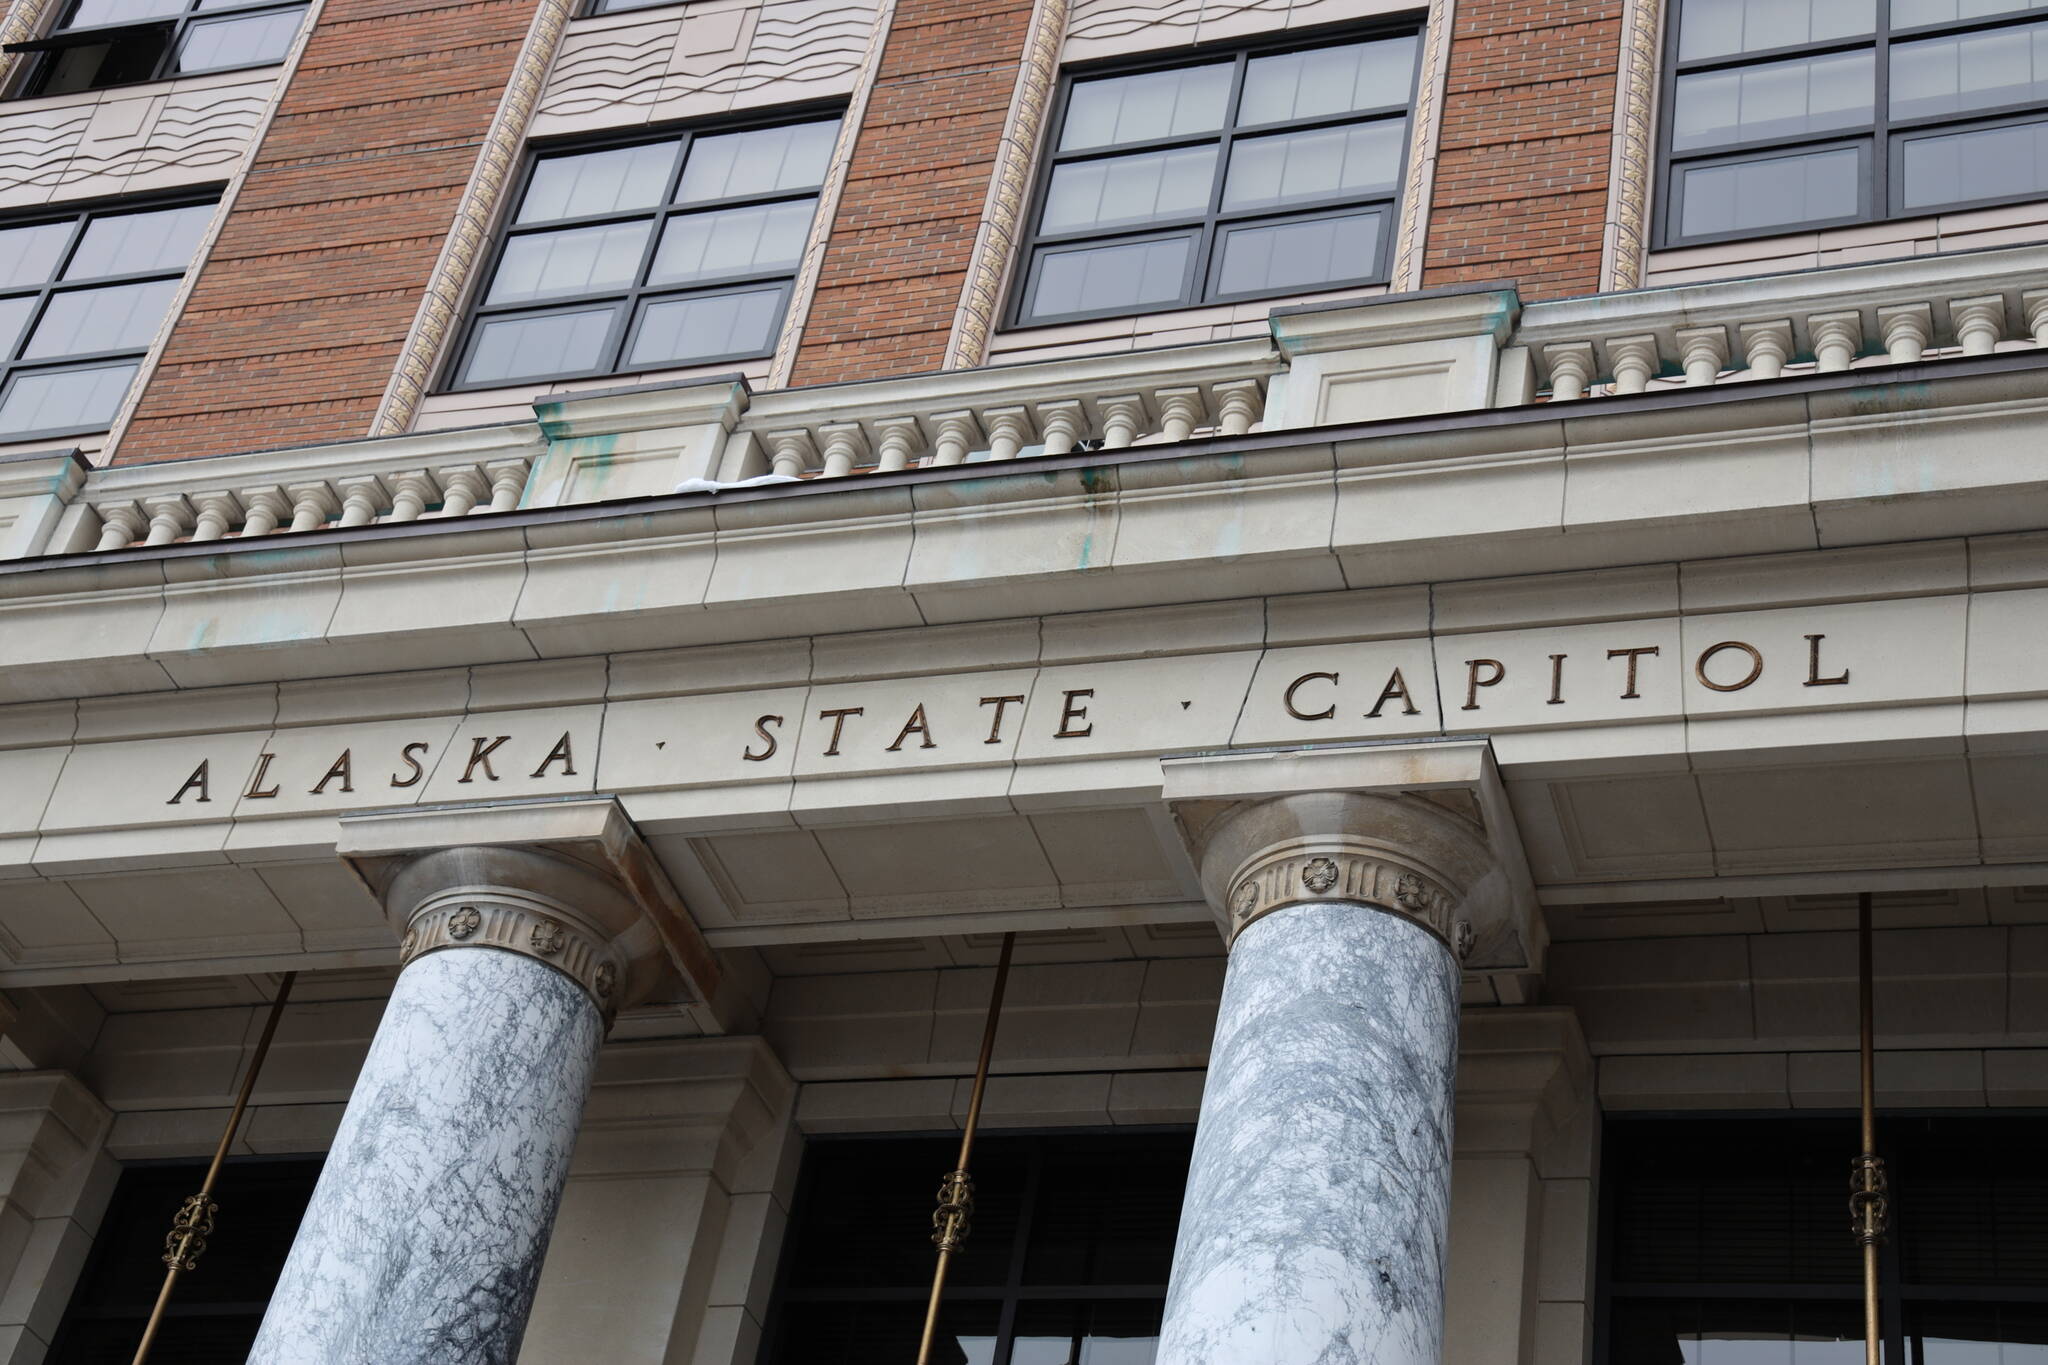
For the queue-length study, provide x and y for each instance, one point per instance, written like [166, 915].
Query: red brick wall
[1521, 178]
[295, 324]
[897, 259]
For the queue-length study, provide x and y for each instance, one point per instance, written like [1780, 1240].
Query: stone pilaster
[54, 1181]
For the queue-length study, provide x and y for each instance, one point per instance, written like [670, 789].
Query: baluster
[900, 436]
[1633, 361]
[1906, 330]
[508, 481]
[1980, 323]
[169, 518]
[1571, 370]
[958, 431]
[1837, 337]
[2034, 303]
[1238, 405]
[312, 504]
[120, 524]
[1062, 422]
[845, 445]
[267, 507]
[1702, 352]
[413, 491]
[1766, 346]
[1180, 412]
[217, 512]
[1009, 431]
[1122, 416]
[462, 487]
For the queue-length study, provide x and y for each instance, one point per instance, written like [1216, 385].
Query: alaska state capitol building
[1376, 586]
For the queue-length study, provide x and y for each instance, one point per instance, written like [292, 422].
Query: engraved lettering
[406, 756]
[1629, 693]
[344, 769]
[199, 782]
[761, 728]
[257, 791]
[1397, 686]
[559, 754]
[1756, 666]
[838, 717]
[480, 751]
[995, 727]
[1287, 698]
[916, 725]
[1813, 677]
[1071, 715]
[1556, 680]
[1473, 682]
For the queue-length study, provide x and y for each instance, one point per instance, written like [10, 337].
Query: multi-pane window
[81, 297]
[98, 43]
[1727, 1242]
[679, 251]
[1067, 1263]
[1255, 175]
[1789, 114]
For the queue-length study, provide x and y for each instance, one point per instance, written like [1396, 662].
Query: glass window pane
[1328, 80]
[1129, 189]
[120, 317]
[598, 182]
[1273, 258]
[535, 347]
[1363, 158]
[730, 241]
[1913, 13]
[1113, 1332]
[1773, 100]
[758, 161]
[55, 400]
[29, 255]
[706, 326]
[1970, 71]
[241, 40]
[96, 13]
[1723, 28]
[1141, 108]
[1110, 278]
[132, 243]
[1984, 163]
[575, 261]
[1774, 192]
[14, 315]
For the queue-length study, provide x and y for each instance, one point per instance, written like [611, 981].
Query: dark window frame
[81, 216]
[1205, 228]
[1897, 1298]
[179, 26]
[1879, 183]
[630, 303]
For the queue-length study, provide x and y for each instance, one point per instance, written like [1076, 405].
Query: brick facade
[298, 316]
[1521, 178]
[898, 255]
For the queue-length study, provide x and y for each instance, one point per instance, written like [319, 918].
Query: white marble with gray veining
[1317, 1204]
[426, 1231]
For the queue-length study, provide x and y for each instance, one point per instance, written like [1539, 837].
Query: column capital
[1421, 831]
[566, 883]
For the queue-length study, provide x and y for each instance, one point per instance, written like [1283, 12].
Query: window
[1066, 1265]
[1789, 114]
[649, 255]
[99, 43]
[81, 297]
[1266, 173]
[217, 1309]
[1727, 1242]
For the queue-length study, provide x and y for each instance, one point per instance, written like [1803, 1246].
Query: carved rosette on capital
[543, 930]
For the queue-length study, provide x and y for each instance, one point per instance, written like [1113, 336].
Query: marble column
[427, 1229]
[1318, 1202]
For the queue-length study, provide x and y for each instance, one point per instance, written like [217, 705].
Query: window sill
[1960, 230]
[202, 80]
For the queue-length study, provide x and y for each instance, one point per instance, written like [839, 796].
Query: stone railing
[1896, 311]
[1435, 353]
[1106, 402]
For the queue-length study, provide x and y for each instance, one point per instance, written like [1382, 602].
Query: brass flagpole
[193, 1223]
[1868, 1201]
[956, 1193]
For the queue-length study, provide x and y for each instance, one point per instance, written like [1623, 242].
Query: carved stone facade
[119, 141]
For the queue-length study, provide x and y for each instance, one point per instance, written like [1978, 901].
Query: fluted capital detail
[551, 932]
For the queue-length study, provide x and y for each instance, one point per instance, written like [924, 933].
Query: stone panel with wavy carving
[1104, 28]
[686, 61]
[123, 141]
